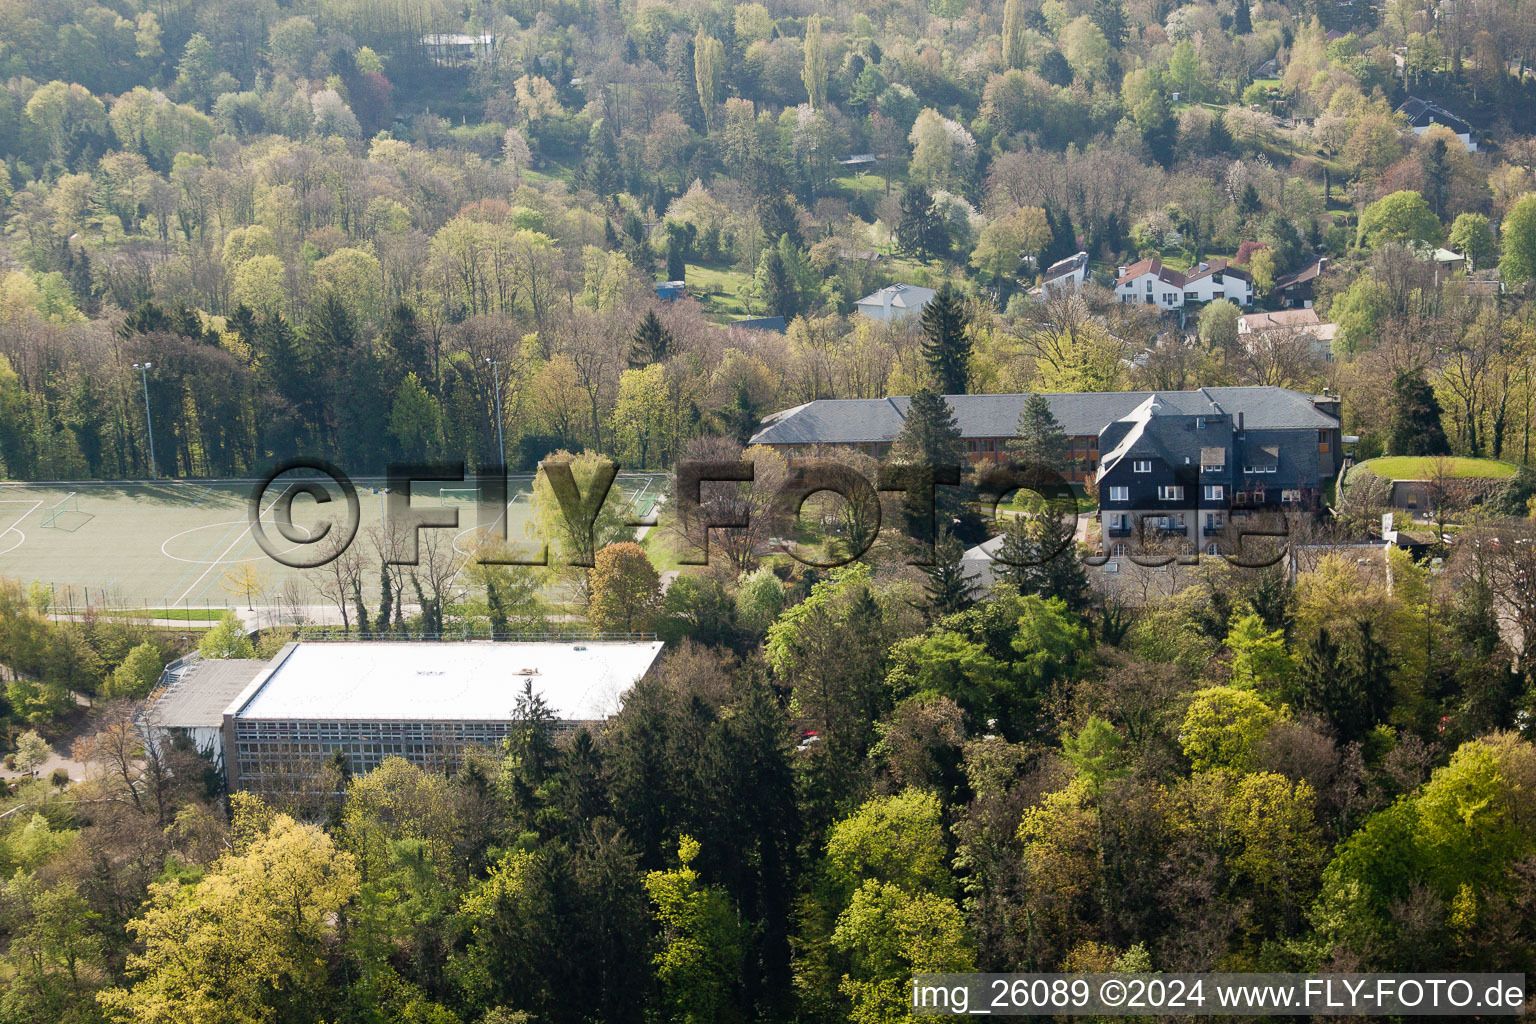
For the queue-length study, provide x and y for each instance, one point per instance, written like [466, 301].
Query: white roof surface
[901, 296]
[460, 681]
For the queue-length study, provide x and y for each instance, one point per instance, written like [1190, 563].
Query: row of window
[1171, 492]
[1119, 548]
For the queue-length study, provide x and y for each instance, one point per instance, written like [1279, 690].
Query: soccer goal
[67, 504]
[455, 495]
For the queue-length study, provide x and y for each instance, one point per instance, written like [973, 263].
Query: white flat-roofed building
[424, 701]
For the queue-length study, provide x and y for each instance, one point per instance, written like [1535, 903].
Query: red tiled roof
[1153, 266]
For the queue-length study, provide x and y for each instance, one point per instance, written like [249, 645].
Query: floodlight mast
[500, 443]
[144, 369]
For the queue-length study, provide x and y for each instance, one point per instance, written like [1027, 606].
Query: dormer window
[1142, 466]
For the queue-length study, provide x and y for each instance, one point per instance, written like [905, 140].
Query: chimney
[1239, 423]
[1120, 271]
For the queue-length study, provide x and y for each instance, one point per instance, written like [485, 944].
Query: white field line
[239, 538]
[21, 537]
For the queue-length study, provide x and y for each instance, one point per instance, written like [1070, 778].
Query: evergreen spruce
[930, 439]
[948, 589]
[1416, 426]
[1039, 553]
[946, 347]
[677, 270]
[1038, 439]
[650, 342]
[921, 231]
[780, 297]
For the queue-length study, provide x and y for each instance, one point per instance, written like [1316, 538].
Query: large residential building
[277, 721]
[1179, 463]
[895, 302]
[1150, 282]
[987, 422]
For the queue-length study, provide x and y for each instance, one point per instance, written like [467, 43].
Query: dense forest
[381, 232]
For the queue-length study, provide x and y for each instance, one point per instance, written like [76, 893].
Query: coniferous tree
[780, 296]
[779, 219]
[650, 342]
[946, 346]
[1242, 19]
[921, 230]
[929, 440]
[1038, 439]
[677, 269]
[1416, 426]
[949, 589]
[1039, 553]
[406, 345]
[1109, 16]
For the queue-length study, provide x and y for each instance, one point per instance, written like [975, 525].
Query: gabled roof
[1153, 266]
[899, 296]
[1279, 320]
[1212, 269]
[1061, 268]
[1422, 113]
[1303, 275]
[879, 420]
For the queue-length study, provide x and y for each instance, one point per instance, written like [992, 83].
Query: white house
[1422, 115]
[1062, 277]
[1218, 280]
[1253, 326]
[1150, 281]
[895, 302]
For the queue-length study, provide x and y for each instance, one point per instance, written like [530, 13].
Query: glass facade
[275, 756]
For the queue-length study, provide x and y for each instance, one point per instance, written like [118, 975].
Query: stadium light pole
[144, 369]
[496, 374]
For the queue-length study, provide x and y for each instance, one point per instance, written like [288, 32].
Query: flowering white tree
[943, 152]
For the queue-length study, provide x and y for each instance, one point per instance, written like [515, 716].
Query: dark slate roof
[1422, 113]
[762, 323]
[856, 420]
[1301, 276]
[1214, 268]
[1061, 268]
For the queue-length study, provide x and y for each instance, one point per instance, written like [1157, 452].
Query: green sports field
[177, 544]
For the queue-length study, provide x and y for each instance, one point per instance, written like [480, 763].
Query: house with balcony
[1150, 282]
[1180, 466]
[1218, 279]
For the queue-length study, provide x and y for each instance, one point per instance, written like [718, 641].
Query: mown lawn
[1410, 467]
[721, 290]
